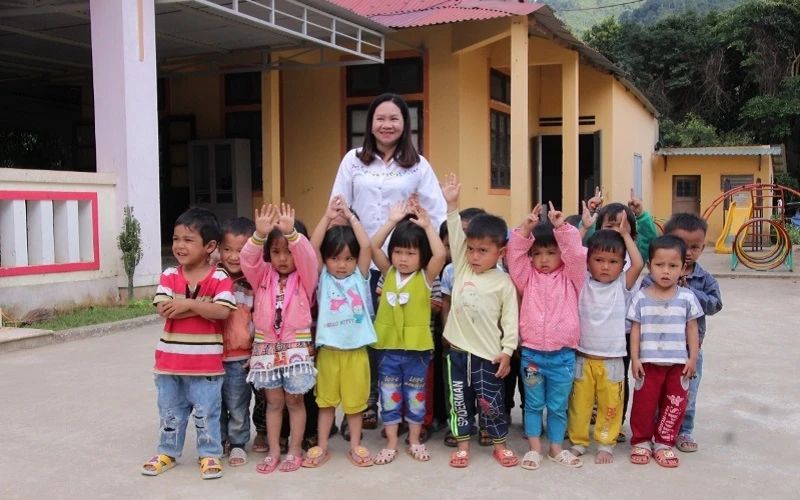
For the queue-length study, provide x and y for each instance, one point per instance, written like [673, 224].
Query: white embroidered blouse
[371, 190]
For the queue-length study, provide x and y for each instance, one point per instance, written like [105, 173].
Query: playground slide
[736, 217]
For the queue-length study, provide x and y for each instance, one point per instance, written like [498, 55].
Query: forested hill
[580, 15]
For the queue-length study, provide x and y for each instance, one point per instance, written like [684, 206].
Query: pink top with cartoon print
[298, 293]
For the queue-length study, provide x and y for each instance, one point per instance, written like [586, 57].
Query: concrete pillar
[570, 197]
[126, 118]
[13, 234]
[521, 186]
[271, 136]
[66, 231]
[41, 246]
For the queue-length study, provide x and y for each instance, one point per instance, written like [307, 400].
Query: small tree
[129, 242]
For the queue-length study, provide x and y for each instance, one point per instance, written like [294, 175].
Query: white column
[40, 232]
[14, 238]
[126, 118]
[66, 231]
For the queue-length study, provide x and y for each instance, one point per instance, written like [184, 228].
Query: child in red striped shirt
[193, 297]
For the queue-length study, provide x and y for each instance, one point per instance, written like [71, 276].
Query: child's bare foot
[603, 457]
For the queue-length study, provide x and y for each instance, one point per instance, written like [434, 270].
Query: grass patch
[95, 315]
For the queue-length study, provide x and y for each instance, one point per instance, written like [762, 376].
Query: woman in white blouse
[384, 170]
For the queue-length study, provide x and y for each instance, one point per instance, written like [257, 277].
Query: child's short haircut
[470, 213]
[611, 211]
[336, 239]
[543, 235]
[443, 233]
[683, 221]
[606, 240]
[203, 221]
[276, 233]
[667, 242]
[407, 234]
[573, 220]
[488, 226]
[238, 226]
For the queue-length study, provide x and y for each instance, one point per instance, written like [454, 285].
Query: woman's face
[387, 125]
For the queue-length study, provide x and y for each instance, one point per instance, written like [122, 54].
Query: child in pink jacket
[548, 268]
[281, 265]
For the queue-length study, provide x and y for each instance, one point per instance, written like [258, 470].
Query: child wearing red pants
[664, 321]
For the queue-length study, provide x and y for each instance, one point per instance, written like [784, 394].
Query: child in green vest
[402, 323]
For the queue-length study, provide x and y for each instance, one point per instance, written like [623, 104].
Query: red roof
[410, 13]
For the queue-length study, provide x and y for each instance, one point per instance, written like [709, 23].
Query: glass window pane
[363, 80]
[358, 121]
[356, 141]
[242, 88]
[247, 125]
[200, 169]
[223, 169]
[414, 110]
[415, 140]
[404, 76]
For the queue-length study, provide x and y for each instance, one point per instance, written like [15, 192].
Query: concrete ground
[79, 419]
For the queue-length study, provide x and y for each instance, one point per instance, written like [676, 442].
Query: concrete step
[16, 339]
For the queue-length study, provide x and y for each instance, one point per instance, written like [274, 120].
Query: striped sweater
[193, 345]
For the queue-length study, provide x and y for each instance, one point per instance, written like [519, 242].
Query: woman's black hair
[406, 154]
[336, 239]
[611, 211]
[409, 235]
[543, 235]
[276, 233]
[667, 242]
[605, 240]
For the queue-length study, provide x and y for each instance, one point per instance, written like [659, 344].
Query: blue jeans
[235, 414]
[547, 377]
[401, 379]
[178, 396]
[687, 427]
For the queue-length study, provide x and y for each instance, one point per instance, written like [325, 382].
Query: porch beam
[44, 9]
[42, 36]
[31, 57]
[467, 37]
[569, 130]
[521, 187]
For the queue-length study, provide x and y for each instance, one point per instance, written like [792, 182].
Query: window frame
[503, 108]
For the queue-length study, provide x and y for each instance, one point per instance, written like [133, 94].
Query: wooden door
[686, 194]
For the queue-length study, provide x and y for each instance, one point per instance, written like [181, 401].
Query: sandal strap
[210, 463]
[362, 452]
[159, 462]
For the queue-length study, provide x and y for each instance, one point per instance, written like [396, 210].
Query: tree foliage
[717, 78]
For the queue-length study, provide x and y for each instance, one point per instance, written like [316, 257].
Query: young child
[599, 370]
[433, 385]
[692, 230]
[344, 329]
[447, 277]
[402, 322]
[237, 338]
[643, 230]
[481, 329]
[282, 266]
[193, 298]
[548, 267]
[664, 317]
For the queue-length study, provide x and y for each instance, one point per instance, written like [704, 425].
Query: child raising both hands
[548, 266]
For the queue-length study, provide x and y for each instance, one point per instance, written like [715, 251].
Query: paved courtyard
[79, 419]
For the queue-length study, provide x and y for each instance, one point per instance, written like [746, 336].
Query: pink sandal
[267, 466]
[291, 463]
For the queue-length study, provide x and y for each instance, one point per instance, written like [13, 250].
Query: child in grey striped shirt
[664, 321]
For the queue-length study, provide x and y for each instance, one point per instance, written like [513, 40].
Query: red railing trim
[66, 267]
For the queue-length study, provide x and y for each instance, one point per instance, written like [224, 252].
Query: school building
[162, 104]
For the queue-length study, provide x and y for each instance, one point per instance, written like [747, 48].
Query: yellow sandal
[161, 464]
[208, 463]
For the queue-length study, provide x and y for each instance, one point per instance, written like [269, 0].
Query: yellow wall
[198, 95]
[312, 139]
[635, 131]
[710, 169]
